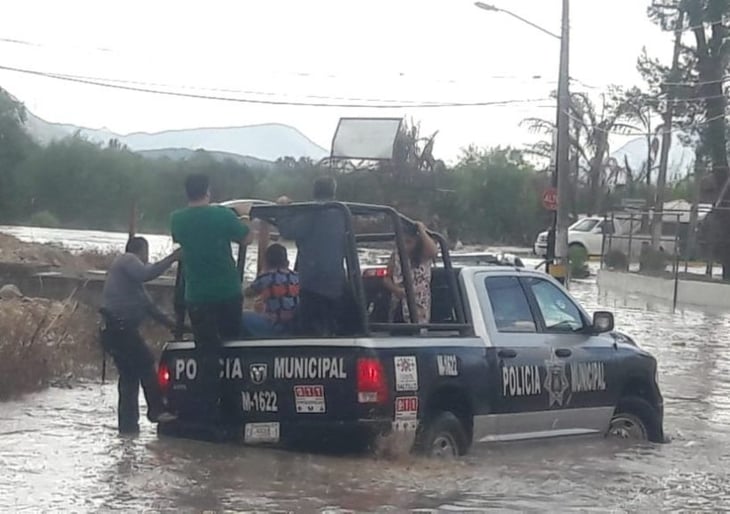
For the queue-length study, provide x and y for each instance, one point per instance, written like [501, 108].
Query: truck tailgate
[267, 387]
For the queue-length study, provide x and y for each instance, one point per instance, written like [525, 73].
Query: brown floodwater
[59, 451]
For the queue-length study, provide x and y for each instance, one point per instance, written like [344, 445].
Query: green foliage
[616, 259]
[577, 257]
[498, 196]
[15, 145]
[44, 219]
[653, 261]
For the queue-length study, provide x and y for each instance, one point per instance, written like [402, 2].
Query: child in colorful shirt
[278, 290]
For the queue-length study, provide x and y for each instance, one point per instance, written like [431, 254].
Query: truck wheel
[442, 436]
[634, 418]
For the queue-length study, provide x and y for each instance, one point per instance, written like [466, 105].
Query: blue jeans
[258, 325]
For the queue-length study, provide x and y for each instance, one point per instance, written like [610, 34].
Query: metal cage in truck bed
[396, 224]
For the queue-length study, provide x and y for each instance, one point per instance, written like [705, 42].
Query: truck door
[584, 366]
[517, 357]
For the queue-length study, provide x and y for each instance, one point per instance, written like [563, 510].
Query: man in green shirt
[212, 286]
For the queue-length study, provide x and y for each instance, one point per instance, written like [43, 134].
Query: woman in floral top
[422, 251]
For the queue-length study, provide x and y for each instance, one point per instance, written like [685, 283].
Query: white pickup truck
[587, 234]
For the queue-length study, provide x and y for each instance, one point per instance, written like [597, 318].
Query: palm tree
[589, 141]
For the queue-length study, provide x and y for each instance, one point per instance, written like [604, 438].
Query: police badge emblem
[556, 381]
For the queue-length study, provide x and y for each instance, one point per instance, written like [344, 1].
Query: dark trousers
[319, 315]
[136, 365]
[212, 324]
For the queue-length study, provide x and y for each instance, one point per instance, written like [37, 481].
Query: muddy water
[59, 451]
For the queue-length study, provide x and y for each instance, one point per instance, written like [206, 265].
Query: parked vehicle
[587, 234]
[507, 355]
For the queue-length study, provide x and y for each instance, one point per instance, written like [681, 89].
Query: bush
[653, 261]
[41, 340]
[577, 257]
[616, 259]
[44, 219]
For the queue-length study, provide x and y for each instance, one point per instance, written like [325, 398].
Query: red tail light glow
[372, 386]
[163, 376]
[375, 273]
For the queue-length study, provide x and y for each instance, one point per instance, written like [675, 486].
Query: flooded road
[59, 451]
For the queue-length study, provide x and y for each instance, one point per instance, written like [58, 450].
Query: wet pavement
[59, 451]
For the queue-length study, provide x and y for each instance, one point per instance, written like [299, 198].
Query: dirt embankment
[14, 251]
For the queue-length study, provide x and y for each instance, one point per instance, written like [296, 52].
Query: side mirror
[602, 322]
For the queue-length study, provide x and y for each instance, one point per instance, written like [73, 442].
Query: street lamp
[558, 252]
[494, 8]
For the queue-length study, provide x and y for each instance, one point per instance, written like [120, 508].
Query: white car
[586, 233]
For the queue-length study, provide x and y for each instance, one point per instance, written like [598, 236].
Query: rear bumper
[304, 431]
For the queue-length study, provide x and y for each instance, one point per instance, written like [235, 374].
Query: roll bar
[271, 213]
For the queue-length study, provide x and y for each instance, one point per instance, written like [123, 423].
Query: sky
[376, 51]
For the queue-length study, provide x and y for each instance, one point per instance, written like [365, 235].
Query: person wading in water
[125, 305]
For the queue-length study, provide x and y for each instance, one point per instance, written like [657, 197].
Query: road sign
[550, 199]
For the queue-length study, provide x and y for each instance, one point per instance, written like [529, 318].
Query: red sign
[316, 391]
[550, 199]
[406, 407]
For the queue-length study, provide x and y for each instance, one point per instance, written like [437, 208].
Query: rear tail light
[163, 376]
[375, 273]
[372, 386]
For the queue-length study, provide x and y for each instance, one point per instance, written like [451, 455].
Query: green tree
[15, 145]
[707, 63]
[590, 130]
[498, 196]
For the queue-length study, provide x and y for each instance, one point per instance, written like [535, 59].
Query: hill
[183, 154]
[681, 158]
[266, 142]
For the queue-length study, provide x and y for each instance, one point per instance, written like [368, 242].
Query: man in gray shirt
[125, 305]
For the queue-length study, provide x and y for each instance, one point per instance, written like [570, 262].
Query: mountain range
[250, 144]
[260, 145]
[680, 164]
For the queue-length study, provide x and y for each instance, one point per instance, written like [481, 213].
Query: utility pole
[656, 223]
[557, 247]
[562, 157]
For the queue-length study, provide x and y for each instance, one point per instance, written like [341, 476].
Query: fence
[690, 250]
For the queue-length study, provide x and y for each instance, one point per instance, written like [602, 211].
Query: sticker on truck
[406, 373]
[309, 399]
[406, 413]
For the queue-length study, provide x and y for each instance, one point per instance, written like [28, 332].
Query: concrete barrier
[86, 287]
[690, 292]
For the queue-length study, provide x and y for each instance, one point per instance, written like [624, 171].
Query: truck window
[510, 307]
[584, 225]
[557, 309]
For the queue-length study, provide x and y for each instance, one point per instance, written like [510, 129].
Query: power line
[139, 89]
[638, 133]
[329, 75]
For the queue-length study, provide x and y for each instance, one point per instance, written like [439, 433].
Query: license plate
[310, 399]
[261, 433]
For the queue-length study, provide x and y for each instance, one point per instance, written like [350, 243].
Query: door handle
[563, 352]
[507, 354]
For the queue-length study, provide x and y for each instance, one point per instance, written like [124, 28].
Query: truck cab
[507, 355]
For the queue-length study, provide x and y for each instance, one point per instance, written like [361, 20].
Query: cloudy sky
[320, 51]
